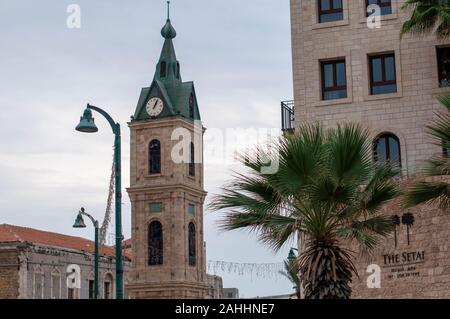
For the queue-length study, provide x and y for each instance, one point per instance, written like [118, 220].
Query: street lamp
[87, 125]
[291, 257]
[292, 265]
[79, 223]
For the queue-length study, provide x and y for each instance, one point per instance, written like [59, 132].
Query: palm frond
[368, 232]
[437, 166]
[440, 127]
[427, 16]
[428, 192]
[273, 230]
[380, 189]
[349, 152]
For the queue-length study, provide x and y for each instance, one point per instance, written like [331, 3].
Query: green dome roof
[168, 31]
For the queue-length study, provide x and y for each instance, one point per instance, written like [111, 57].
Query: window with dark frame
[443, 60]
[330, 10]
[192, 160]
[163, 69]
[107, 290]
[383, 78]
[192, 245]
[154, 157]
[91, 289]
[334, 79]
[155, 244]
[387, 149]
[385, 6]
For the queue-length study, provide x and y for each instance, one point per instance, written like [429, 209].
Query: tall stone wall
[418, 269]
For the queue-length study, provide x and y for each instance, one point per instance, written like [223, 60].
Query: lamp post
[79, 223]
[291, 260]
[87, 125]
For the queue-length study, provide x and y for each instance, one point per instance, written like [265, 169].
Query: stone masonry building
[36, 264]
[348, 70]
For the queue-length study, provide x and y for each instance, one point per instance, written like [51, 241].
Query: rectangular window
[330, 10]
[91, 289]
[334, 79]
[38, 286]
[191, 209]
[107, 290]
[155, 208]
[443, 57]
[56, 286]
[382, 74]
[385, 6]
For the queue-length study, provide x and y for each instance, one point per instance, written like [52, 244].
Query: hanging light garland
[262, 270]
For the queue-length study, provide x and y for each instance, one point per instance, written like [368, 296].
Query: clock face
[155, 106]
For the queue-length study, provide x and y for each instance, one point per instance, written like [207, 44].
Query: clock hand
[155, 105]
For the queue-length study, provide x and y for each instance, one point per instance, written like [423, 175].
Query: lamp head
[87, 123]
[291, 256]
[79, 222]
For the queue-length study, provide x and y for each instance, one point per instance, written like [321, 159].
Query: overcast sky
[237, 53]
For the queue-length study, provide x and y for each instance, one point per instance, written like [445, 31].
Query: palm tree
[328, 189]
[428, 16]
[291, 272]
[439, 165]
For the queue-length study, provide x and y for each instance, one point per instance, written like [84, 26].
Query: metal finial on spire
[168, 32]
[168, 10]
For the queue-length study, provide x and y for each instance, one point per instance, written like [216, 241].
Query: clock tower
[167, 193]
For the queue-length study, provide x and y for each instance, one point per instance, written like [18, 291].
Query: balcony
[287, 116]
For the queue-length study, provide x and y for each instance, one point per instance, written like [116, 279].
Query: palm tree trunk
[301, 247]
[326, 271]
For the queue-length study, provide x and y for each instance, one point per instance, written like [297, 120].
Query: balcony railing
[287, 116]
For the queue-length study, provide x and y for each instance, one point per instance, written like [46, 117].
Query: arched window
[154, 157]
[163, 69]
[191, 107]
[387, 148]
[155, 243]
[192, 245]
[192, 160]
[178, 70]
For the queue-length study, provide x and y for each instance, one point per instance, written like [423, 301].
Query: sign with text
[404, 264]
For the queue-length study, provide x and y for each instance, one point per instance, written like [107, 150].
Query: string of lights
[262, 270]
